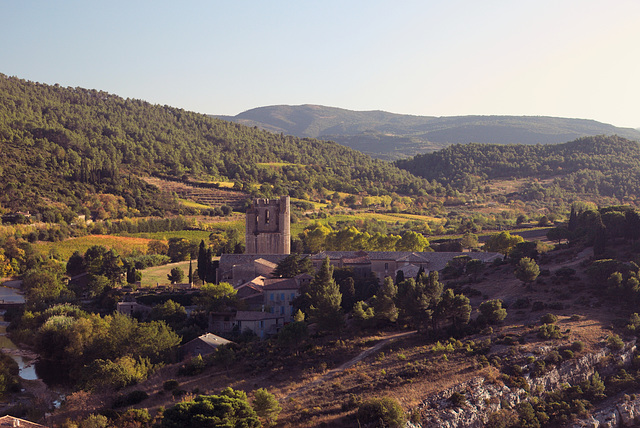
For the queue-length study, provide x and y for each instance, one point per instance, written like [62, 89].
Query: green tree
[469, 240]
[325, 298]
[293, 265]
[527, 271]
[412, 241]
[266, 406]
[216, 297]
[456, 308]
[228, 409]
[502, 242]
[176, 275]
[492, 311]
[381, 412]
[475, 268]
[171, 312]
[384, 307]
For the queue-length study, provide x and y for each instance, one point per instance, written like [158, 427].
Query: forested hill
[63, 144]
[387, 135]
[600, 165]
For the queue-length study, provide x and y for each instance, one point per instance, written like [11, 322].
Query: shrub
[266, 406]
[549, 331]
[458, 399]
[577, 346]
[170, 385]
[134, 397]
[614, 342]
[538, 306]
[548, 319]
[381, 412]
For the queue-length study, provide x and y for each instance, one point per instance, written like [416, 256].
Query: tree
[475, 268]
[492, 311]
[456, 308]
[325, 298]
[293, 265]
[203, 262]
[176, 275]
[216, 297]
[171, 312]
[384, 307]
[381, 412]
[558, 234]
[469, 240]
[229, 409]
[266, 406]
[527, 270]
[502, 242]
[412, 241]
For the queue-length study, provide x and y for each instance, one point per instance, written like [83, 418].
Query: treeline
[87, 142]
[602, 166]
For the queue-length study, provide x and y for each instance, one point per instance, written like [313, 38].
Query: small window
[272, 298]
[282, 296]
[293, 296]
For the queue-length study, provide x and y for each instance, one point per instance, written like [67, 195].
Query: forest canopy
[88, 145]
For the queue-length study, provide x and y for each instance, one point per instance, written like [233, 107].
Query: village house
[279, 294]
[202, 345]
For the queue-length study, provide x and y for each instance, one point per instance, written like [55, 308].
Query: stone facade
[268, 227]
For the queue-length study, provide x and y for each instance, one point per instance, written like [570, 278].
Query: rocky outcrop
[484, 398]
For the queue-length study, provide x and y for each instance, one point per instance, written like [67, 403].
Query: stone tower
[268, 229]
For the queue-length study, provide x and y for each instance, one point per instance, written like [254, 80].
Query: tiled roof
[255, 316]
[281, 284]
[10, 421]
[239, 259]
[213, 340]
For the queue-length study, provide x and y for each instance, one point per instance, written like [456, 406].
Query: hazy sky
[577, 59]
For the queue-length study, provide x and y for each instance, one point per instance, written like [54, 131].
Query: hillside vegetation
[85, 143]
[598, 166]
[391, 136]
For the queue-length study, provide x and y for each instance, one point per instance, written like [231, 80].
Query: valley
[510, 297]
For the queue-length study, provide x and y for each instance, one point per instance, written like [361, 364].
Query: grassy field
[158, 274]
[192, 204]
[191, 235]
[124, 245]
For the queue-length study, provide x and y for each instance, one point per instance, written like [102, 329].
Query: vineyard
[210, 196]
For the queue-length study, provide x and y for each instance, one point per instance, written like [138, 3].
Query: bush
[548, 319]
[577, 346]
[614, 342]
[549, 331]
[134, 397]
[170, 385]
[458, 399]
[381, 412]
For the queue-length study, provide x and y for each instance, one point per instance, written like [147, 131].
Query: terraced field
[203, 195]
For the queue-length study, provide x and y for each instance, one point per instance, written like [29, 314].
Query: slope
[84, 143]
[608, 166]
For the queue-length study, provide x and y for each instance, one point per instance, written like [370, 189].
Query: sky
[576, 59]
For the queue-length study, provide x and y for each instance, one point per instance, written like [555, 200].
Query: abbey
[268, 227]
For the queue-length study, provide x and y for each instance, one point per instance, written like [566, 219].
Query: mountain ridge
[391, 136]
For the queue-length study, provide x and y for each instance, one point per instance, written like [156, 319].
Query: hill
[599, 166]
[87, 144]
[388, 136]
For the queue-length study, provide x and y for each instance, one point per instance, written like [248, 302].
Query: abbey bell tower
[268, 227]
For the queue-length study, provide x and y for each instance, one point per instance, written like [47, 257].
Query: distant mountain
[392, 136]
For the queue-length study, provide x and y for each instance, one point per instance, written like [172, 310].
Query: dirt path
[364, 354]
